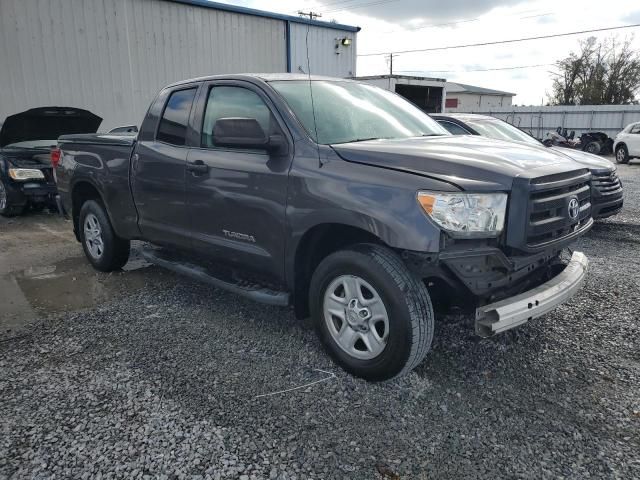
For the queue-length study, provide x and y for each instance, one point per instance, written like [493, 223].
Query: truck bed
[101, 161]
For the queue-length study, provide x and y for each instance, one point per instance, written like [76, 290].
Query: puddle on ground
[71, 284]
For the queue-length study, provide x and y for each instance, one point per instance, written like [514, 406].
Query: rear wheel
[372, 315]
[7, 209]
[104, 249]
[622, 154]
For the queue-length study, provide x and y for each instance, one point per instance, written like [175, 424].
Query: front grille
[548, 213]
[608, 185]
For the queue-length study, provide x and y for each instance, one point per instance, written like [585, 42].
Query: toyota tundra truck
[339, 199]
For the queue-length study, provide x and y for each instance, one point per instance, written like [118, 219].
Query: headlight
[466, 214]
[26, 174]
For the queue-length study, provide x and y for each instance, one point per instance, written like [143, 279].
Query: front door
[237, 197]
[158, 173]
[633, 140]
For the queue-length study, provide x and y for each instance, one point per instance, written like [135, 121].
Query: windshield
[500, 131]
[350, 111]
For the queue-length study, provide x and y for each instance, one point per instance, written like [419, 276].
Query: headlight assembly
[26, 174]
[466, 214]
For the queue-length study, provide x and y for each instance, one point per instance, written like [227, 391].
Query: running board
[249, 290]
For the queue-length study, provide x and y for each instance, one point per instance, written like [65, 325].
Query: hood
[468, 162]
[586, 159]
[47, 123]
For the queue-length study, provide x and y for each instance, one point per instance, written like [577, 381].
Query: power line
[340, 2]
[515, 40]
[477, 70]
[457, 22]
[360, 5]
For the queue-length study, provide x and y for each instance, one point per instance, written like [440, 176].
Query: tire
[592, 147]
[379, 277]
[622, 154]
[103, 248]
[8, 209]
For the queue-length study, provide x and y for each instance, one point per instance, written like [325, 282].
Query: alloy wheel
[93, 236]
[3, 196]
[356, 317]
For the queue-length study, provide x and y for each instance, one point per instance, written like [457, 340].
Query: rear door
[158, 171]
[237, 200]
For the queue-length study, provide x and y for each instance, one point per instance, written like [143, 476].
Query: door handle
[197, 167]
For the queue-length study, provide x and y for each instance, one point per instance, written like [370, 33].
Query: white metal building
[112, 56]
[465, 98]
[427, 93]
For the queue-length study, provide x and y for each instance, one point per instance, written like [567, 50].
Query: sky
[394, 25]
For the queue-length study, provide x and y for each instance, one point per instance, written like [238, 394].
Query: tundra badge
[239, 236]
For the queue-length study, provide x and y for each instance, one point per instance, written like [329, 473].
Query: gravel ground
[177, 380]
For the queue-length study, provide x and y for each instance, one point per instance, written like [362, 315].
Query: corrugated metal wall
[112, 56]
[340, 63]
[581, 118]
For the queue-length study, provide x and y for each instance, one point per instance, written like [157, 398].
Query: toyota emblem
[574, 208]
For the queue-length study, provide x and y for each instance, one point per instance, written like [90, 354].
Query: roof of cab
[265, 77]
[464, 116]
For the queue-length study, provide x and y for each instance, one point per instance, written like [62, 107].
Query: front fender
[379, 201]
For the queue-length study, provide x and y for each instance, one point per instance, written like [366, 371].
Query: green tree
[600, 73]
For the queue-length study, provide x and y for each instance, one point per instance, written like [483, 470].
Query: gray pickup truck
[339, 199]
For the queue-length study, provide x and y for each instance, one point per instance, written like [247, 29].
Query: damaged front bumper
[514, 311]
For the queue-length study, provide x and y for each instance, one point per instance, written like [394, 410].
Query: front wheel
[372, 315]
[622, 154]
[8, 209]
[104, 249]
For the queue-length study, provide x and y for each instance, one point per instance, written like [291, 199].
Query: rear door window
[175, 118]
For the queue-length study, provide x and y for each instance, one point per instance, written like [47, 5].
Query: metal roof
[464, 88]
[265, 14]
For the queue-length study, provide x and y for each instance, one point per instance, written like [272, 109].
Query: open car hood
[47, 123]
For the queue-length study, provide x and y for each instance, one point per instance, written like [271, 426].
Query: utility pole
[310, 14]
[390, 58]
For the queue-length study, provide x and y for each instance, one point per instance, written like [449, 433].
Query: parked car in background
[597, 143]
[358, 211]
[26, 139]
[627, 143]
[607, 194]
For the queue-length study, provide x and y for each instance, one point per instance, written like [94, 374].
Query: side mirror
[240, 132]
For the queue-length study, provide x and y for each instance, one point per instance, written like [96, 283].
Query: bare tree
[606, 72]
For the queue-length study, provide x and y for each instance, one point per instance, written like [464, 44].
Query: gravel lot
[160, 377]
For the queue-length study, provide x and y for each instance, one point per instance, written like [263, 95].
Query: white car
[627, 143]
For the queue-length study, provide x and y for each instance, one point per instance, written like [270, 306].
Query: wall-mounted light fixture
[346, 41]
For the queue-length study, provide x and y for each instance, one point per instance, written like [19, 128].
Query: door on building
[428, 99]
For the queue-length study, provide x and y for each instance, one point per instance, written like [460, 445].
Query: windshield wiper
[433, 135]
[365, 139]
